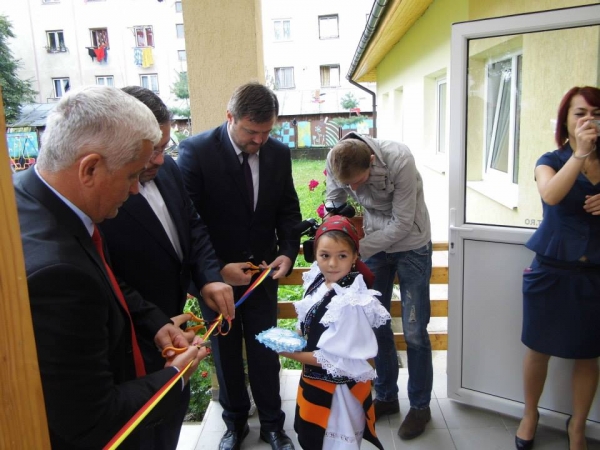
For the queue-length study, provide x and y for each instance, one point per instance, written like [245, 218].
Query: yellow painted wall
[406, 92]
[420, 56]
[223, 40]
[481, 9]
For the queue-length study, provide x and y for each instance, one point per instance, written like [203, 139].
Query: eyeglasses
[168, 149]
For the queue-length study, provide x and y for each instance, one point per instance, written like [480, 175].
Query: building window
[178, 7]
[440, 115]
[181, 55]
[330, 76]
[328, 27]
[144, 36]
[61, 85]
[502, 111]
[282, 29]
[179, 28]
[107, 80]
[56, 41]
[284, 77]
[150, 82]
[99, 36]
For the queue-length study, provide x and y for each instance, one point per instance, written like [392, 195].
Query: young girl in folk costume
[334, 406]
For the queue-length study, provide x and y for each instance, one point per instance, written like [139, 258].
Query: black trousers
[256, 314]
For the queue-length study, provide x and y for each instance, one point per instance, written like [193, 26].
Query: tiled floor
[453, 426]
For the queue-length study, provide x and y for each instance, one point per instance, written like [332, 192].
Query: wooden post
[23, 422]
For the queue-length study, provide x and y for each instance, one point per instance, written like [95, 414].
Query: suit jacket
[144, 257]
[214, 179]
[82, 334]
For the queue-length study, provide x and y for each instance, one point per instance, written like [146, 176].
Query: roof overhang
[397, 18]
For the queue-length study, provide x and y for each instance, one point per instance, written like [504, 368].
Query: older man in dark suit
[240, 181]
[96, 144]
[158, 244]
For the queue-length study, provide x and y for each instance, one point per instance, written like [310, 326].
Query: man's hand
[182, 360]
[172, 336]
[219, 297]
[235, 275]
[281, 265]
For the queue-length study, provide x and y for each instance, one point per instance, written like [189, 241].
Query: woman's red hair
[591, 96]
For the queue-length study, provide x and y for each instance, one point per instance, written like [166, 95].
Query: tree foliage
[181, 91]
[15, 91]
[349, 101]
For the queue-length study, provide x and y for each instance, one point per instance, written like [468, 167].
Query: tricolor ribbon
[158, 396]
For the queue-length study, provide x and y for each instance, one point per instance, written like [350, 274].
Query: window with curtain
[502, 118]
[284, 77]
[99, 36]
[55, 40]
[144, 36]
[107, 80]
[282, 30]
[330, 75]
[150, 81]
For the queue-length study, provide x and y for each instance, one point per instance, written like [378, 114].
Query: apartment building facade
[64, 44]
[308, 48]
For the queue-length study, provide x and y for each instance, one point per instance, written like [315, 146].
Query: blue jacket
[568, 232]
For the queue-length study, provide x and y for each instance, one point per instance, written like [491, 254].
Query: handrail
[439, 307]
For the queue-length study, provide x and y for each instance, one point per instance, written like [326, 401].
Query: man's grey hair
[96, 119]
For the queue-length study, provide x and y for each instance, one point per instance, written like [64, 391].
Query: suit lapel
[171, 195]
[139, 208]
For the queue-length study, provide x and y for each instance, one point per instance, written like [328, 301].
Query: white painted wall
[32, 18]
[305, 51]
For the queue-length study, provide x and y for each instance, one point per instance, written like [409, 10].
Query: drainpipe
[376, 13]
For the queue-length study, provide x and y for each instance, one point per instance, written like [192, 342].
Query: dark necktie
[248, 177]
[138, 359]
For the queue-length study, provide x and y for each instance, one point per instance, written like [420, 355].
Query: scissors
[208, 328]
[252, 268]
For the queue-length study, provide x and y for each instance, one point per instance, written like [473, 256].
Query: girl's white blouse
[348, 341]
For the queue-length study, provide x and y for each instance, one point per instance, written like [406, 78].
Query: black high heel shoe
[523, 444]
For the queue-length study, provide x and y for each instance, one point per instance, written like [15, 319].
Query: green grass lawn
[304, 171]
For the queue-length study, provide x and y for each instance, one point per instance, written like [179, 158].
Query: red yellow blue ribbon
[158, 396]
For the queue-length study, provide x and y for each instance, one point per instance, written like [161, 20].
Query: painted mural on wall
[318, 133]
[287, 134]
[23, 149]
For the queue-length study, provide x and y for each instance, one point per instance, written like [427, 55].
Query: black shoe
[278, 440]
[385, 408]
[524, 444]
[232, 439]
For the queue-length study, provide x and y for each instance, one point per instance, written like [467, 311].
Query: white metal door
[507, 77]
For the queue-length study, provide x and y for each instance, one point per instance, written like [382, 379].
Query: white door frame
[470, 241]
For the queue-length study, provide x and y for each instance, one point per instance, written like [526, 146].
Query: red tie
[138, 359]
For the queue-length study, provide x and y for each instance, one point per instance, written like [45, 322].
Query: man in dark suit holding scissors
[96, 143]
[158, 244]
[240, 181]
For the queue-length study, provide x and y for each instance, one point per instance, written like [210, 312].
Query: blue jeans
[414, 271]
